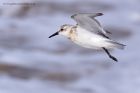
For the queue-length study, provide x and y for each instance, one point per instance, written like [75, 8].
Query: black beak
[54, 34]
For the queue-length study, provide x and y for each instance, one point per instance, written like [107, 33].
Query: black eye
[61, 29]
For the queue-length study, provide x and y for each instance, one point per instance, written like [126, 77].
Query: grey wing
[88, 22]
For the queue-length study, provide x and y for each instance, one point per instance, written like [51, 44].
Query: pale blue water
[24, 42]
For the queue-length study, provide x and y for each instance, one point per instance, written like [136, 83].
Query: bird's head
[64, 30]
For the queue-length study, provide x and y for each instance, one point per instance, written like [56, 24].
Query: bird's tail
[118, 45]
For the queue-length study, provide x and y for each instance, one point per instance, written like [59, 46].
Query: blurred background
[30, 62]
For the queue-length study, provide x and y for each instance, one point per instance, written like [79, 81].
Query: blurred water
[31, 62]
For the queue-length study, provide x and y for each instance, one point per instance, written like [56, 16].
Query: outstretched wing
[88, 22]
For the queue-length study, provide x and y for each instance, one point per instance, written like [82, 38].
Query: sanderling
[89, 33]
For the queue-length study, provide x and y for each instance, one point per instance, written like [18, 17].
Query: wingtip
[73, 15]
[100, 14]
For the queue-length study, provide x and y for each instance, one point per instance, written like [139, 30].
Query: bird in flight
[89, 33]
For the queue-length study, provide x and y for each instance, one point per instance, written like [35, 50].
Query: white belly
[89, 40]
[87, 43]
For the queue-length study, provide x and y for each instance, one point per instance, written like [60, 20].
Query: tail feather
[118, 45]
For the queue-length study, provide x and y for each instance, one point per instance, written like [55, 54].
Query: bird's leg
[115, 59]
